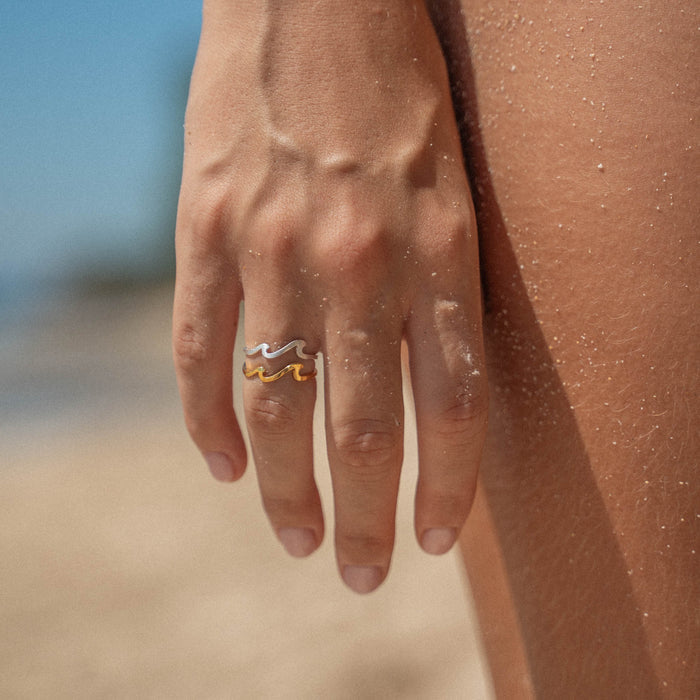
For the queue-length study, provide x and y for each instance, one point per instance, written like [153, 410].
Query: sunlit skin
[580, 137]
[324, 185]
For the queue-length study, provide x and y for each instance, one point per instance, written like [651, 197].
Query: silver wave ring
[293, 368]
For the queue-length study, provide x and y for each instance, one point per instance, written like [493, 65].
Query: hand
[323, 184]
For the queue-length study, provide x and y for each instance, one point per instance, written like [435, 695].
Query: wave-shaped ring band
[294, 369]
[264, 348]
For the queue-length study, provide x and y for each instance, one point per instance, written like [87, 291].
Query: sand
[127, 572]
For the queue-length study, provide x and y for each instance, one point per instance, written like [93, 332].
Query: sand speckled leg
[580, 134]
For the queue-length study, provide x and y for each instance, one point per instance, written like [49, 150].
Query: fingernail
[438, 540]
[362, 579]
[220, 466]
[298, 541]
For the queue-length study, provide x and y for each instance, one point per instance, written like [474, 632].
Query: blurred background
[126, 571]
[93, 96]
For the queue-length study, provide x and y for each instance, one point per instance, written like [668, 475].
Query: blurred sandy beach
[128, 572]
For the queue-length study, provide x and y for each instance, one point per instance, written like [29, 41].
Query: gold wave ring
[294, 369]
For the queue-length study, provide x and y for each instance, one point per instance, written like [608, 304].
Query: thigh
[579, 132]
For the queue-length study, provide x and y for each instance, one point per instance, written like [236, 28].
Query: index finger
[205, 319]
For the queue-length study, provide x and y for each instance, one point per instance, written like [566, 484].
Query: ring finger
[279, 395]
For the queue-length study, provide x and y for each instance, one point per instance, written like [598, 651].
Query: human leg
[578, 129]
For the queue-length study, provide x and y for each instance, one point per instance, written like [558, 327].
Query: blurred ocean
[91, 121]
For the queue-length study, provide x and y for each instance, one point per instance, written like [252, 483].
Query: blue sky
[92, 99]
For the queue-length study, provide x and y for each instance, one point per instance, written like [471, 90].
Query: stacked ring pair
[293, 368]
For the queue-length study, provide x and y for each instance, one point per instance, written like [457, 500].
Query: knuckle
[451, 245]
[279, 238]
[355, 252]
[269, 416]
[368, 443]
[465, 418]
[190, 346]
[203, 217]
